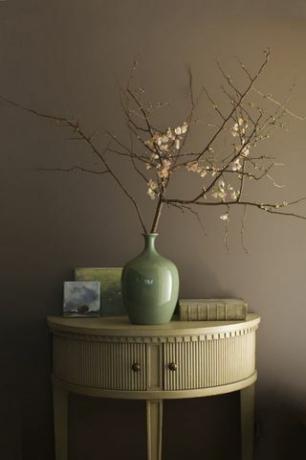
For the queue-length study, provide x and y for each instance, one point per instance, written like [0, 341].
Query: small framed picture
[110, 279]
[81, 298]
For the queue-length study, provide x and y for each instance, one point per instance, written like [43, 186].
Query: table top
[120, 325]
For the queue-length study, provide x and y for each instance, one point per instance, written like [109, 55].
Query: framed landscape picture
[110, 279]
[81, 298]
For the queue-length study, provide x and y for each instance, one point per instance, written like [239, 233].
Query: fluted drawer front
[208, 363]
[117, 366]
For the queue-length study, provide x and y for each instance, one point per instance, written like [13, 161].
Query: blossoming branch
[229, 158]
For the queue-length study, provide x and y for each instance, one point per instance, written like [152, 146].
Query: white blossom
[236, 165]
[225, 216]
[180, 130]
[149, 143]
[152, 189]
[234, 195]
[163, 139]
[246, 151]
[164, 147]
[170, 134]
[240, 127]
[151, 194]
[192, 167]
[184, 127]
[164, 171]
[235, 130]
[220, 193]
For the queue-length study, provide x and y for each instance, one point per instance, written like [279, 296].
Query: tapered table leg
[154, 429]
[60, 408]
[247, 407]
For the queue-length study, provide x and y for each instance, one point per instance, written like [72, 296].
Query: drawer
[105, 365]
[208, 363]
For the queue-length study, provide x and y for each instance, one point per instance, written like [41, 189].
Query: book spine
[212, 312]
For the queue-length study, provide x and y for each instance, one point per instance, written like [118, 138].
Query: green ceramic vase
[150, 286]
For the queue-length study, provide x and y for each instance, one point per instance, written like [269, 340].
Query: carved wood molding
[157, 339]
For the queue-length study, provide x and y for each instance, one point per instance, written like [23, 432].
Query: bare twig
[268, 97]
[184, 208]
[273, 208]
[157, 215]
[242, 230]
[75, 126]
[236, 105]
[74, 169]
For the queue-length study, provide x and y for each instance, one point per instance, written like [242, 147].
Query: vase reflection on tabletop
[150, 286]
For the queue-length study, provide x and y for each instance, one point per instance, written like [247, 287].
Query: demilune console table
[111, 358]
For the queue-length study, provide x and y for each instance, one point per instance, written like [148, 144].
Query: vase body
[150, 286]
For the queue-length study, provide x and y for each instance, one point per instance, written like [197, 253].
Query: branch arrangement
[159, 155]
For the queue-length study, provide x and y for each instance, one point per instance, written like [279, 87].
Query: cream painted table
[110, 358]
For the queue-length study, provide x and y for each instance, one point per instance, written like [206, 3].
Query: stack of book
[212, 309]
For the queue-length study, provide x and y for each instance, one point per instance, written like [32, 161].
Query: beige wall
[69, 56]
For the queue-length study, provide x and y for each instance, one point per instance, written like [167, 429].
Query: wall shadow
[280, 427]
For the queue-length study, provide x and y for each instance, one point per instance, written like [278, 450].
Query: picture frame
[110, 279]
[81, 299]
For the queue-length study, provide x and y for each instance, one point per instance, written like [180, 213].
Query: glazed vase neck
[150, 242]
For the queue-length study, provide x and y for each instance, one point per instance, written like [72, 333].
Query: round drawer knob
[136, 367]
[172, 367]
